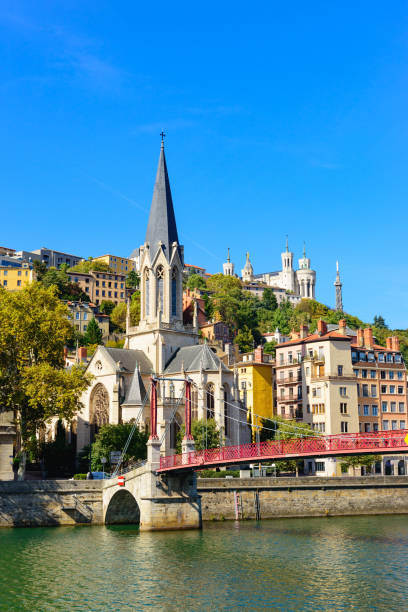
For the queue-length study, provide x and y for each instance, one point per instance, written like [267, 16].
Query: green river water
[357, 563]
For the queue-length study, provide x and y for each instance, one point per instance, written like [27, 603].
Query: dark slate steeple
[162, 221]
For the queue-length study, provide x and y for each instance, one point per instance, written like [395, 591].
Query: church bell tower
[161, 331]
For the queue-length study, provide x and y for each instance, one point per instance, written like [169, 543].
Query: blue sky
[281, 118]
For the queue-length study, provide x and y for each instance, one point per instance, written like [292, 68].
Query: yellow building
[255, 382]
[15, 279]
[119, 265]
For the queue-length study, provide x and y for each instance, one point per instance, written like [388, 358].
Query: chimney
[82, 353]
[65, 353]
[389, 343]
[342, 327]
[258, 354]
[396, 344]
[321, 327]
[304, 331]
[294, 335]
[368, 337]
[360, 337]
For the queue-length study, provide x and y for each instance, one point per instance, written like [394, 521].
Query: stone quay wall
[50, 503]
[76, 502]
[301, 497]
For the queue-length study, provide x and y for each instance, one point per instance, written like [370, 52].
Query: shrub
[220, 474]
[79, 476]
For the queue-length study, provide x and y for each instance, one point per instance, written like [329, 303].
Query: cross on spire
[163, 136]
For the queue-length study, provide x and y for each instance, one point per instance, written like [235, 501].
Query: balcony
[289, 381]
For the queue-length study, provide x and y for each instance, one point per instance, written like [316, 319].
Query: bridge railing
[297, 447]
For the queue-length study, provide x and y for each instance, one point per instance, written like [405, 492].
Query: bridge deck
[379, 443]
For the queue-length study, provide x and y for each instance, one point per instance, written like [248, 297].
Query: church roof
[162, 221]
[129, 358]
[137, 392]
[193, 359]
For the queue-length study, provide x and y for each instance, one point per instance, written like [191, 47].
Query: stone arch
[122, 509]
[210, 400]
[98, 409]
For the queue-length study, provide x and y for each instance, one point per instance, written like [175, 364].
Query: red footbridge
[377, 443]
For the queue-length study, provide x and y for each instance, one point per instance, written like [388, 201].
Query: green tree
[132, 280]
[269, 301]
[245, 340]
[195, 281]
[270, 347]
[90, 264]
[379, 322]
[34, 328]
[205, 433]
[113, 438]
[118, 315]
[106, 307]
[67, 290]
[40, 269]
[226, 296]
[93, 334]
[359, 461]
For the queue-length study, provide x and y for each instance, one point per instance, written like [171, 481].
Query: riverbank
[77, 502]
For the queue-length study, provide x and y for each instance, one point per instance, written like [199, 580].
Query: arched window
[146, 291]
[159, 289]
[99, 410]
[227, 420]
[194, 403]
[210, 401]
[174, 292]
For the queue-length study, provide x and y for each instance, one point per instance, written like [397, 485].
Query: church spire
[228, 256]
[287, 244]
[162, 226]
[338, 284]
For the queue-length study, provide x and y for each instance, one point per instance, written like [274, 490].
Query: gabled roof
[137, 391]
[128, 359]
[162, 221]
[193, 359]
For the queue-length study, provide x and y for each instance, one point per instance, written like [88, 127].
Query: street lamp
[274, 469]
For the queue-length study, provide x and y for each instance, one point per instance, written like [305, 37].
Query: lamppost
[274, 469]
[89, 475]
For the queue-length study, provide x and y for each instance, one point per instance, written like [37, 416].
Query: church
[163, 347]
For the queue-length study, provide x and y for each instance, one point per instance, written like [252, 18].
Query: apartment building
[53, 259]
[16, 278]
[118, 265]
[81, 313]
[315, 383]
[381, 383]
[101, 286]
[255, 374]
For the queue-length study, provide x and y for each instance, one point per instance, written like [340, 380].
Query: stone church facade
[161, 346]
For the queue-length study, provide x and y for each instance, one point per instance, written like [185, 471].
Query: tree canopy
[34, 328]
[113, 438]
[93, 334]
[132, 279]
[205, 433]
[91, 264]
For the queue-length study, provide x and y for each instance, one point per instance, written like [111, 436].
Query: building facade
[101, 286]
[81, 313]
[118, 265]
[15, 278]
[255, 381]
[315, 383]
[53, 259]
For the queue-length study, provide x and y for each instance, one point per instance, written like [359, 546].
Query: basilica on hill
[162, 346]
[287, 283]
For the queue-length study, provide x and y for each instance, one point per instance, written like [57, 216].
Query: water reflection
[299, 564]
